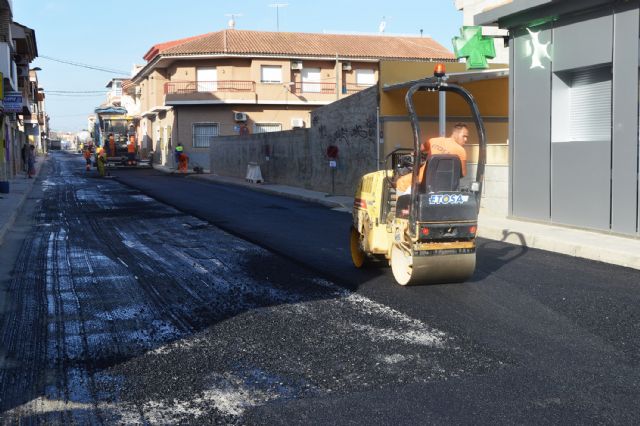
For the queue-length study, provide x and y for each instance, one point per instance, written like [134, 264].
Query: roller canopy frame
[437, 84]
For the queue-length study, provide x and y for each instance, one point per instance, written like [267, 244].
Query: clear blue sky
[115, 34]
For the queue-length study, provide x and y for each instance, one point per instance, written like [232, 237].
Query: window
[311, 80]
[365, 78]
[203, 133]
[270, 74]
[267, 127]
[590, 105]
[207, 79]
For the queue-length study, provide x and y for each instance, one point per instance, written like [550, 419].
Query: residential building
[363, 129]
[236, 82]
[573, 111]
[22, 102]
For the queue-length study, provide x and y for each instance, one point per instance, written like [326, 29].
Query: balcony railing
[350, 88]
[313, 87]
[189, 87]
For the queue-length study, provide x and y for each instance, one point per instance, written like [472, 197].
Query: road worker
[131, 150]
[87, 157]
[101, 161]
[179, 150]
[183, 163]
[453, 145]
[112, 145]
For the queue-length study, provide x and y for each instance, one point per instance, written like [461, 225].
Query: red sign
[332, 151]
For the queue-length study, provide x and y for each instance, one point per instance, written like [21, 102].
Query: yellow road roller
[429, 234]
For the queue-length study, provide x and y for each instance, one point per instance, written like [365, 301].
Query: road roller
[429, 235]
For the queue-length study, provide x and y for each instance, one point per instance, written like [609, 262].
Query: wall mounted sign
[474, 47]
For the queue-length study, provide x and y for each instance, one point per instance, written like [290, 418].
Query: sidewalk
[11, 203]
[593, 245]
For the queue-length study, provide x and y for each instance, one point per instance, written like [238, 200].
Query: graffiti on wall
[352, 135]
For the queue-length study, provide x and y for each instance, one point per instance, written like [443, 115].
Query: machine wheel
[358, 256]
[401, 264]
[409, 269]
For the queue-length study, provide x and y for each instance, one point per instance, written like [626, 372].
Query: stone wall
[299, 157]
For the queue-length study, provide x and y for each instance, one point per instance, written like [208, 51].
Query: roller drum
[410, 269]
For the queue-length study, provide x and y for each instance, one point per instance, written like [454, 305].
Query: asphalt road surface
[219, 304]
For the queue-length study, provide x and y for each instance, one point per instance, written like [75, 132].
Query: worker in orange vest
[86, 153]
[112, 145]
[453, 145]
[183, 162]
[131, 151]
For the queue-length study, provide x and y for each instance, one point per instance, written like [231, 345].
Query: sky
[115, 34]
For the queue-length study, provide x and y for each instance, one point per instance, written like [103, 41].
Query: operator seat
[442, 174]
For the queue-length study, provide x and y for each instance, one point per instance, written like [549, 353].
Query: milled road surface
[120, 309]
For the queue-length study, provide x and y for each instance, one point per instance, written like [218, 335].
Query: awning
[458, 78]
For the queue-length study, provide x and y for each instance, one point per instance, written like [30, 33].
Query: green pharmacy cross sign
[473, 46]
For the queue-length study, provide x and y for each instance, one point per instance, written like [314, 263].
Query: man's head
[460, 134]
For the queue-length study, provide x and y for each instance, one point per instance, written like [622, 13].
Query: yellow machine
[429, 235]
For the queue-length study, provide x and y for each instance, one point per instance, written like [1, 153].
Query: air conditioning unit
[240, 116]
[296, 65]
[297, 122]
[346, 66]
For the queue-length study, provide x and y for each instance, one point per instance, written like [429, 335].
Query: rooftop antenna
[382, 26]
[278, 6]
[232, 21]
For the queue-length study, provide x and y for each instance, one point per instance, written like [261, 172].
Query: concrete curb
[593, 245]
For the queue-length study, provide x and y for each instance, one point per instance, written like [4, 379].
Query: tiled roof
[241, 42]
[160, 47]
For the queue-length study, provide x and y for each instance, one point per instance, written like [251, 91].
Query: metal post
[377, 138]
[338, 71]
[442, 105]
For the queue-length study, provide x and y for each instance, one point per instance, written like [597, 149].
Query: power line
[91, 67]
[76, 95]
[75, 91]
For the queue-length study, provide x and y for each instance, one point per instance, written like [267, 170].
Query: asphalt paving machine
[429, 235]
[114, 122]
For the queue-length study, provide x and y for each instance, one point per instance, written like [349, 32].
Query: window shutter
[590, 109]
[365, 78]
[271, 74]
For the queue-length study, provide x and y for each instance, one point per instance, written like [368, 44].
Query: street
[148, 298]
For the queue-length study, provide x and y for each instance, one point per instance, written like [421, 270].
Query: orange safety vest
[131, 148]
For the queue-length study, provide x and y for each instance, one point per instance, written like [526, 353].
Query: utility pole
[278, 6]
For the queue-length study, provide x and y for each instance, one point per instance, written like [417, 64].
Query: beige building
[236, 82]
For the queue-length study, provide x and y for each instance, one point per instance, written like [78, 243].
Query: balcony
[246, 91]
[192, 87]
[221, 91]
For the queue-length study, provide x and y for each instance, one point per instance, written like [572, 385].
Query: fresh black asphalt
[225, 305]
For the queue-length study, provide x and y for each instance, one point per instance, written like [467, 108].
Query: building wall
[557, 176]
[299, 157]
